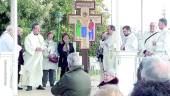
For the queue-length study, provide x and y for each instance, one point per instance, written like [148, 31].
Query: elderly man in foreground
[155, 78]
[155, 69]
[75, 82]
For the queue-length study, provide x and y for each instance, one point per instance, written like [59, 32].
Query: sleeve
[29, 46]
[8, 42]
[46, 51]
[60, 51]
[60, 87]
[56, 49]
[167, 44]
[135, 44]
[132, 44]
[9, 46]
[42, 42]
[71, 48]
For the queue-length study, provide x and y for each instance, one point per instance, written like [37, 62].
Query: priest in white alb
[32, 71]
[109, 46]
[149, 40]
[162, 45]
[129, 42]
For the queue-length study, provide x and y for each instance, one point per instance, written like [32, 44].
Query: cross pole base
[85, 60]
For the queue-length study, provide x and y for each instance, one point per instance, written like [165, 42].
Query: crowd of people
[155, 49]
[41, 57]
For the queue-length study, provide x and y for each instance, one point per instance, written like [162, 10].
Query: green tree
[52, 14]
[4, 14]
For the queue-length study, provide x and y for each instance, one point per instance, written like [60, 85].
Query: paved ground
[47, 92]
[94, 77]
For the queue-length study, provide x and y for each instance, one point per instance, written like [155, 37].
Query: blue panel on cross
[83, 31]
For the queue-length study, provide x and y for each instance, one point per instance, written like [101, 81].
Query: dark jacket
[63, 55]
[75, 82]
[20, 57]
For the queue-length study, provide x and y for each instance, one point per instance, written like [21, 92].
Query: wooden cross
[85, 25]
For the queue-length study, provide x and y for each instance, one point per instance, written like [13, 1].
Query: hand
[38, 49]
[154, 43]
[148, 53]
[65, 49]
[51, 55]
[122, 47]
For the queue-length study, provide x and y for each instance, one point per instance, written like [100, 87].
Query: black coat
[63, 55]
[20, 57]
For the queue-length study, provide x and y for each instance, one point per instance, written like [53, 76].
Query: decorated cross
[84, 27]
[85, 23]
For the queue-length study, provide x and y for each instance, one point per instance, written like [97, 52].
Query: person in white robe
[127, 61]
[109, 46]
[7, 41]
[32, 70]
[149, 40]
[130, 42]
[162, 45]
[7, 45]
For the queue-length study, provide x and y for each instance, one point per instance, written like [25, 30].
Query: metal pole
[111, 12]
[14, 65]
[142, 18]
[117, 26]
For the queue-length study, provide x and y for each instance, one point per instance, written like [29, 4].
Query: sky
[128, 12]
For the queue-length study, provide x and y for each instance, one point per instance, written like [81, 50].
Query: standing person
[99, 54]
[32, 70]
[48, 66]
[130, 42]
[109, 46]
[7, 40]
[162, 45]
[150, 38]
[64, 48]
[20, 58]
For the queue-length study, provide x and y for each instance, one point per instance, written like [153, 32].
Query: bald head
[152, 26]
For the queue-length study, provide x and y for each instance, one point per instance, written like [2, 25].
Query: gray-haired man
[75, 82]
[155, 69]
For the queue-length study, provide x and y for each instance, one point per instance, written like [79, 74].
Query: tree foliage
[51, 14]
[4, 14]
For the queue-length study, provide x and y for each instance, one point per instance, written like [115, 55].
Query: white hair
[155, 69]
[9, 28]
[73, 59]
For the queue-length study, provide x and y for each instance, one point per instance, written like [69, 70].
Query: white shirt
[6, 42]
[131, 43]
[162, 47]
[149, 43]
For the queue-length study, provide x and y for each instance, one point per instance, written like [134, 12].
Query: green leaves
[52, 14]
[4, 14]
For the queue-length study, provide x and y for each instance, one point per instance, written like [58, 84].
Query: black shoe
[40, 88]
[51, 85]
[44, 85]
[29, 88]
[19, 88]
